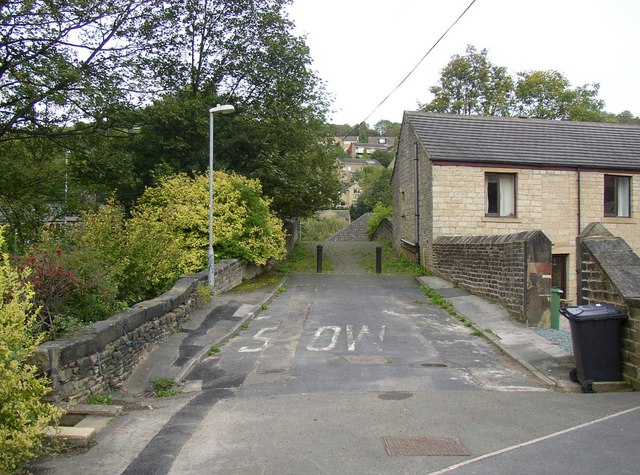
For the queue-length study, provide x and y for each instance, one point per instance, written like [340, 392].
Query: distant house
[349, 195]
[358, 150]
[458, 175]
[348, 167]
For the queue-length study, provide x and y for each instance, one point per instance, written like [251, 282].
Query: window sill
[615, 220]
[498, 219]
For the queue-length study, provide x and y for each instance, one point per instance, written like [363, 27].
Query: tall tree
[32, 189]
[63, 62]
[548, 95]
[472, 84]
[375, 183]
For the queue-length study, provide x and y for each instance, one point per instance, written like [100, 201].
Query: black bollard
[378, 259]
[319, 259]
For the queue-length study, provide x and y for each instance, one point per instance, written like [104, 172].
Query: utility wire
[412, 70]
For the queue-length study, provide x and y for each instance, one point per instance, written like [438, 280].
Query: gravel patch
[560, 337]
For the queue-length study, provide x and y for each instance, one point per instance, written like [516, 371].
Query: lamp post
[224, 109]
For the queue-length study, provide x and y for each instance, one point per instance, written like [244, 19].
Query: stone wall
[384, 231]
[405, 182]
[609, 272]
[105, 353]
[513, 270]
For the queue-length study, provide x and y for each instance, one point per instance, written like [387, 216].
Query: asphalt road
[358, 374]
[353, 374]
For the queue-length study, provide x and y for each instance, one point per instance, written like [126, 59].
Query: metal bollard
[378, 259]
[319, 258]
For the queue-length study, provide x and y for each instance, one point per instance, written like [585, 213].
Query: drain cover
[423, 446]
[366, 359]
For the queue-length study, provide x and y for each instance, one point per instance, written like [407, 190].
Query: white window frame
[500, 193]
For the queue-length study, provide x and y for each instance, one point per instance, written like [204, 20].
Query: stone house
[458, 175]
[349, 194]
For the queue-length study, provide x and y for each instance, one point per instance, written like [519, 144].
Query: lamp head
[222, 109]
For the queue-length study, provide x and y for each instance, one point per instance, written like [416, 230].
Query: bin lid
[593, 311]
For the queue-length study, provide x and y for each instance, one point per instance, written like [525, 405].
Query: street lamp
[224, 109]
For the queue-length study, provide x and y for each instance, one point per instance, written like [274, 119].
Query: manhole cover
[365, 359]
[395, 395]
[424, 446]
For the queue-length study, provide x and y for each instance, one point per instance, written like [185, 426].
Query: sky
[362, 49]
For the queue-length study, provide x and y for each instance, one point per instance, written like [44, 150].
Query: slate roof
[529, 142]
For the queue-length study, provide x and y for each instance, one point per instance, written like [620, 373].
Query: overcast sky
[363, 48]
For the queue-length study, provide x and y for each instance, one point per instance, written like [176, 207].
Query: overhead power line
[412, 70]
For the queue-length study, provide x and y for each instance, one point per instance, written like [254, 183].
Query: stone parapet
[513, 270]
[102, 355]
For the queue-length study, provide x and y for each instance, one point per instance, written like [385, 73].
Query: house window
[617, 196]
[500, 194]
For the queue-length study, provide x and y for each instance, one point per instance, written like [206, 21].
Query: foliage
[31, 189]
[53, 285]
[322, 227]
[300, 259]
[395, 264]
[243, 224]
[438, 299]
[23, 415]
[384, 157]
[63, 61]
[82, 94]
[203, 294]
[96, 250]
[472, 84]
[163, 387]
[375, 186]
[548, 95]
[380, 212]
[100, 399]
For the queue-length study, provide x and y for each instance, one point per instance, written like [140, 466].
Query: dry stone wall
[104, 354]
[609, 272]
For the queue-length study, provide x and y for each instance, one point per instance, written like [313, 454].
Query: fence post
[378, 259]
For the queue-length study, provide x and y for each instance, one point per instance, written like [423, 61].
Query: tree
[63, 62]
[375, 185]
[383, 156]
[548, 95]
[625, 117]
[472, 84]
[31, 188]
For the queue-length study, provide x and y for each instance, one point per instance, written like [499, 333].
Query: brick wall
[105, 353]
[512, 270]
[609, 272]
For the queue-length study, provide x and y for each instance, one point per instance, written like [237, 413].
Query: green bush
[23, 415]
[243, 225]
[380, 212]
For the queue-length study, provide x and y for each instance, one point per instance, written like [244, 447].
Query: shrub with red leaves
[53, 284]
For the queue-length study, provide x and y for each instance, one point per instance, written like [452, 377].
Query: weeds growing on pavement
[163, 387]
[439, 300]
[100, 399]
[214, 350]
